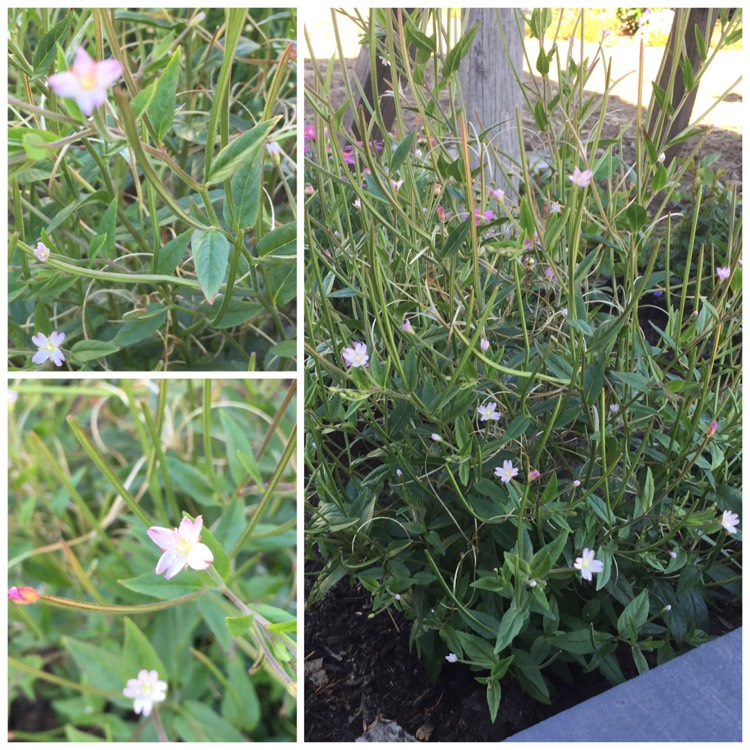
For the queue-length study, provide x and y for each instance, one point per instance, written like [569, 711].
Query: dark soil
[358, 669]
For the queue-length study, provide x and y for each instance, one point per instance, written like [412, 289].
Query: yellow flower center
[88, 81]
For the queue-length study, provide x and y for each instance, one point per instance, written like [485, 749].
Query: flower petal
[39, 339]
[40, 357]
[191, 530]
[56, 338]
[170, 563]
[200, 557]
[65, 84]
[163, 538]
[107, 72]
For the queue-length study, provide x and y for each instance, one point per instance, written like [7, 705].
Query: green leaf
[285, 349]
[542, 62]
[510, 627]
[108, 229]
[96, 664]
[229, 159]
[659, 182]
[138, 653]
[462, 48]
[583, 641]
[36, 144]
[184, 583]
[140, 326]
[171, 254]
[240, 625]
[455, 239]
[494, 696]
[240, 704]
[199, 723]
[46, 49]
[647, 498]
[221, 559]
[246, 193]
[280, 241]
[633, 617]
[700, 42]
[161, 109]
[211, 256]
[635, 217]
[402, 151]
[90, 349]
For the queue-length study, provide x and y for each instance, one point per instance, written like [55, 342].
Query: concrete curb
[696, 697]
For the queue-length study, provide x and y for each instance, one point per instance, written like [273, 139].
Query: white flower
[587, 564]
[729, 521]
[181, 547]
[274, 152]
[488, 412]
[49, 348]
[581, 179]
[723, 273]
[614, 408]
[355, 355]
[452, 658]
[435, 437]
[506, 472]
[145, 690]
[662, 157]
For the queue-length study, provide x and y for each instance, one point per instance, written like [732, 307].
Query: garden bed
[358, 668]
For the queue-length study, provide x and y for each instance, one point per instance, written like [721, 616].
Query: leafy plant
[153, 224]
[523, 405]
[112, 590]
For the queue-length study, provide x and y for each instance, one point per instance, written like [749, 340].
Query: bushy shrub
[523, 405]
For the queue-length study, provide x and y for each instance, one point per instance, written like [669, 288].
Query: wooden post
[704, 18]
[364, 75]
[488, 87]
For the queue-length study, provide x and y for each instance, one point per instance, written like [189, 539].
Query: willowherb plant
[523, 402]
[152, 555]
[152, 188]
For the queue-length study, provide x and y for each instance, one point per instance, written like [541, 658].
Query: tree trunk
[370, 84]
[488, 87]
[704, 18]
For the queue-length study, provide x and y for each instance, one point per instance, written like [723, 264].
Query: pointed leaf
[211, 256]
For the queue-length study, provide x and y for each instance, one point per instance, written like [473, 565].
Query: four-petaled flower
[145, 690]
[181, 547]
[49, 348]
[488, 412]
[729, 521]
[452, 658]
[396, 185]
[587, 564]
[355, 355]
[506, 472]
[41, 251]
[87, 81]
[723, 272]
[581, 179]
[555, 207]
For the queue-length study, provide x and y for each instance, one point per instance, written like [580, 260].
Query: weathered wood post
[488, 87]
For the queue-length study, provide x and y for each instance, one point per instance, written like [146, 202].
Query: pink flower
[549, 273]
[555, 207]
[497, 194]
[406, 326]
[534, 474]
[479, 217]
[396, 185]
[576, 483]
[506, 472]
[42, 252]
[355, 355]
[435, 437]
[49, 348]
[181, 547]
[309, 132]
[145, 690]
[729, 521]
[440, 213]
[87, 81]
[581, 179]
[23, 594]
[309, 189]
[587, 564]
[484, 344]
[723, 273]
[712, 428]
